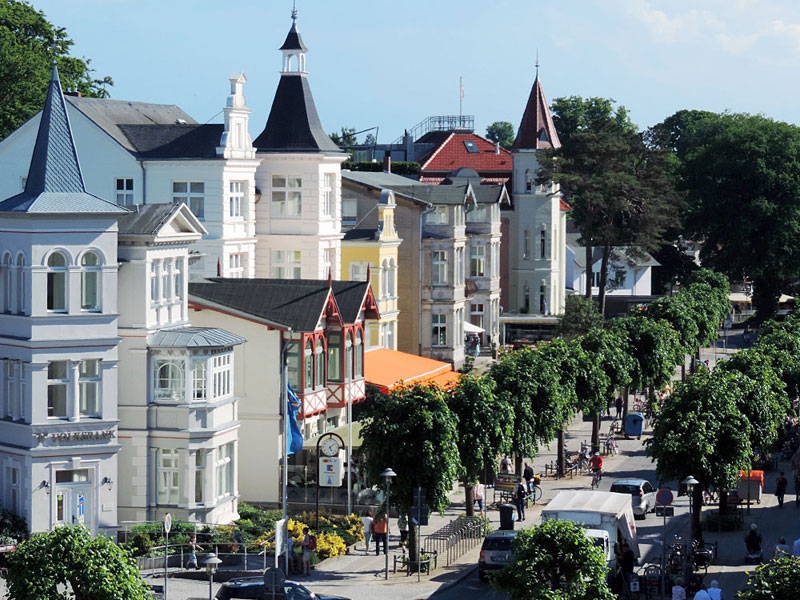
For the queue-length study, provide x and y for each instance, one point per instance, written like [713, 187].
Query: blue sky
[391, 64]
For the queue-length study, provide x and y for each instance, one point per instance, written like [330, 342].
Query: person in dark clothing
[527, 475]
[753, 540]
[780, 488]
[628, 559]
[519, 499]
[619, 406]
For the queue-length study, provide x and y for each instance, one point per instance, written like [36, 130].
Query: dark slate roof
[195, 337]
[451, 191]
[109, 114]
[349, 297]
[147, 220]
[55, 183]
[293, 124]
[293, 40]
[175, 140]
[361, 234]
[635, 257]
[294, 303]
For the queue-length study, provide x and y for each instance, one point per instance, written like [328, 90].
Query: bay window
[199, 475]
[477, 260]
[359, 356]
[439, 267]
[57, 381]
[335, 357]
[439, 329]
[293, 364]
[287, 196]
[90, 280]
[225, 470]
[169, 380]
[168, 476]
[308, 357]
[56, 283]
[89, 386]
[348, 356]
[221, 367]
[319, 358]
[199, 380]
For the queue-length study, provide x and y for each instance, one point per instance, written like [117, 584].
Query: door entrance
[74, 498]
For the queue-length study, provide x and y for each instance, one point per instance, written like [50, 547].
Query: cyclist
[596, 463]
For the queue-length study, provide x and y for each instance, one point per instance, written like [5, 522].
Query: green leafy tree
[580, 316]
[27, 42]
[742, 173]
[94, 568]
[681, 311]
[529, 386]
[701, 432]
[412, 431]
[620, 187]
[485, 424]
[781, 342]
[779, 579]
[501, 131]
[554, 561]
[346, 137]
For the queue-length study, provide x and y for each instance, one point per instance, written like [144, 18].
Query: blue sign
[80, 505]
[664, 497]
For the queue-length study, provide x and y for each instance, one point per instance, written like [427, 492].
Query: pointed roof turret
[293, 124]
[55, 183]
[536, 131]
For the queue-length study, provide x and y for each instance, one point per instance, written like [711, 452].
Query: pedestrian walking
[519, 499]
[479, 494]
[618, 403]
[781, 548]
[381, 528]
[527, 475]
[702, 594]
[780, 488]
[366, 521]
[678, 591]
[796, 547]
[309, 545]
[715, 592]
[193, 548]
[505, 464]
[402, 525]
[609, 404]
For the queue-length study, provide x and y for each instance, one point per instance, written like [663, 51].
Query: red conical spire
[536, 131]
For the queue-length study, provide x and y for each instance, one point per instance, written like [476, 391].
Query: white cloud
[789, 31]
[737, 44]
[668, 28]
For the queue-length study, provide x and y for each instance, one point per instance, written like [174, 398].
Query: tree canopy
[94, 568]
[501, 131]
[654, 346]
[413, 431]
[778, 579]
[742, 173]
[621, 188]
[345, 137]
[580, 316]
[27, 43]
[554, 561]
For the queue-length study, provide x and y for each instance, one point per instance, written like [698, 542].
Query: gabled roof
[353, 297]
[452, 153]
[109, 114]
[293, 124]
[167, 221]
[536, 130]
[55, 183]
[634, 257]
[174, 140]
[195, 337]
[298, 304]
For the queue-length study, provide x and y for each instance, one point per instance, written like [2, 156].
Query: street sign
[330, 471]
[419, 514]
[273, 578]
[81, 509]
[280, 538]
[167, 523]
[8, 548]
[664, 497]
[665, 511]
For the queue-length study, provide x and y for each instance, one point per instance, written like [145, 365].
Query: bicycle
[611, 445]
[596, 479]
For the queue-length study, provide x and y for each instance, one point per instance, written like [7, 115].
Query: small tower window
[90, 280]
[57, 282]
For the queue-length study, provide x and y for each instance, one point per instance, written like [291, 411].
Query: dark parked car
[253, 587]
[643, 495]
[496, 551]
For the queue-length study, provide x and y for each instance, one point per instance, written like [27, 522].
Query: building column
[74, 391]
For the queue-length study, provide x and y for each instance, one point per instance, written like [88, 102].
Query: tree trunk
[723, 502]
[587, 240]
[625, 401]
[697, 509]
[596, 431]
[413, 546]
[601, 295]
[560, 453]
[517, 464]
[469, 499]
[683, 369]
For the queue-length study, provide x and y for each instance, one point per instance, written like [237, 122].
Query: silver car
[496, 552]
[643, 495]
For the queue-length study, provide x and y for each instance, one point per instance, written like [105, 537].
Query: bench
[505, 484]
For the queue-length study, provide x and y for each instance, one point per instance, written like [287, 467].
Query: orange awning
[390, 368]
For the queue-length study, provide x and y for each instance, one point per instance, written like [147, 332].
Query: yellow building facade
[373, 253]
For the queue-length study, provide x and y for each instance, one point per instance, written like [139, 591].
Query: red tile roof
[536, 131]
[452, 154]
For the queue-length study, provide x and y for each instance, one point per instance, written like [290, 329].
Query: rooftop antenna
[537, 63]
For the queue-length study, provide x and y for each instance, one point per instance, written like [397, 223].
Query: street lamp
[690, 482]
[211, 566]
[388, 474]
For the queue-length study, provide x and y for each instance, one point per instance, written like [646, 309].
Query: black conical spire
[293, 40]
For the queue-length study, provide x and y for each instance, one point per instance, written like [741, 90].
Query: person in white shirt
[714, 592]
[678, 592]
[479, 493]
[796, 547]
[366, 521]
[702, 594]
[781, 548]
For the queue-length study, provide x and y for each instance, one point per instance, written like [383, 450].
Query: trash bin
[507, 516]
[634, 424]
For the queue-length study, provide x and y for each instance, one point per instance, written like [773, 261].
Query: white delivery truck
[607, 517]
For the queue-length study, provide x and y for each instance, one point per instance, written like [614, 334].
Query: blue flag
[295, 437]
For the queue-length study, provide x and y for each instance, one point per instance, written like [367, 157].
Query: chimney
[387, 162]
[497, 148]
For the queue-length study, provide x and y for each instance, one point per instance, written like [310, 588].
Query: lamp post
[388, 474]
[690, 482]
[211, 566]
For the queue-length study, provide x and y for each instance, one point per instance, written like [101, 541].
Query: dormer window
[471, 147]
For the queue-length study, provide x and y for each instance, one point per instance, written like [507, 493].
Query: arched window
[309, 364]
[359, 350]
[319, 359]
[57, 282]
[90, 281]
[7, 282]
[348, 357]
[21, 284]
[169, 380]
[392, 281]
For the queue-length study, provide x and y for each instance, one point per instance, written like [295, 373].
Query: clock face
[330, 447]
